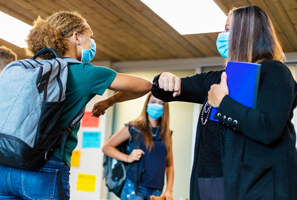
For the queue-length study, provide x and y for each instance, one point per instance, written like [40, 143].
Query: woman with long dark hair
[251, 153]
[154, 155]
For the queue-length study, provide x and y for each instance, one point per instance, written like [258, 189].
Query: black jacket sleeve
[193, 89]
[275, 104]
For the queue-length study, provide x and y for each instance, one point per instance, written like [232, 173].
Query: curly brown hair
[53, 32]
[6, 56]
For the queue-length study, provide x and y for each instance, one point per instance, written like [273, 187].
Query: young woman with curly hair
[69, 34]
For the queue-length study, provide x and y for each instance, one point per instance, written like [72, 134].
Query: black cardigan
[260, 156]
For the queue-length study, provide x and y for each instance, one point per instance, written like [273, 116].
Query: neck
[71, 50]
[154, 123]
[71, 54]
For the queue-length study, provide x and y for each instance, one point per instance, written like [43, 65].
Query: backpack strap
[136, 135]
[66, 132]
[45, 50]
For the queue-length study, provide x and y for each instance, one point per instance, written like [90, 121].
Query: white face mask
[88, 55]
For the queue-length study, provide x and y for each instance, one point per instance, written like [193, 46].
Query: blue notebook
[243, 82]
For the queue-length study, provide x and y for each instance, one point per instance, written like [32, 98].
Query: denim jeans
[144, 193]
[41, 184]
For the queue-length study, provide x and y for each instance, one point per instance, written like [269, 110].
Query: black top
[212, 147]
[151, 167]
[260, 157]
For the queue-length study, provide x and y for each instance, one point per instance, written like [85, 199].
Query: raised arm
[169, 87]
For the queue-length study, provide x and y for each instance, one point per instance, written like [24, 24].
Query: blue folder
[243, 83]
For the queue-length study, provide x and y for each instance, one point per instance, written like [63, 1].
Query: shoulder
[129, 126]
[276, 73]
[133, 128]
[90, 67]
[274, 67]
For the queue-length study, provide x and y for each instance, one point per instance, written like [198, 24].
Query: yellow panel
[86, 182]
[75, 158]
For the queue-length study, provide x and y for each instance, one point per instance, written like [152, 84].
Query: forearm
[170, 178]
[114, 153]
[125, 96]
[191, 90]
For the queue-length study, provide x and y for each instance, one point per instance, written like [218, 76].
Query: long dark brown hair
[143, 123]
[252, 36]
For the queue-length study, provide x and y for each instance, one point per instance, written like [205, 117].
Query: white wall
[181, 115]
[91, 159]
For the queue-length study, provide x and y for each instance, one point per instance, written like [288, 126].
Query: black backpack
[115, 171]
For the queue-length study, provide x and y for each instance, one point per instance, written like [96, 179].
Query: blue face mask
[88, 55]
[154, 110]
[222, 43]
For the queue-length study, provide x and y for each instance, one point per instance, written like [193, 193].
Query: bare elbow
[147, 87]
[104, 149]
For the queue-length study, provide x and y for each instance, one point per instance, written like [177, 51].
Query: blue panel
[243, 82]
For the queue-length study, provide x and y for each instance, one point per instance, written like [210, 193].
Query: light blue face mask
[154, 110]
[88, 55]
[222, 43]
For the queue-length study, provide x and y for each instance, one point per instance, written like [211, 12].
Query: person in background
[251, 153]
[6, 56]
[69, 34]
[155, 153]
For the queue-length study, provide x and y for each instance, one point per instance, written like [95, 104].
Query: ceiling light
[13, 30]
[190, 16]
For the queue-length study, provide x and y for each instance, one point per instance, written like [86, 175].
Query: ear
[75, 38]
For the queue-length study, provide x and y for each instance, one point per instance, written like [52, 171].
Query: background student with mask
[69, 34]
[155, 153]
[6, 56]
[251, 153]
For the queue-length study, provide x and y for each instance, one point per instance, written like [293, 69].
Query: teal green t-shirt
[84, 82]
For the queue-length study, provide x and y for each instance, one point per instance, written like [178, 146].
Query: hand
[167, 194]
[100, 107]
[218, 91]
[135, 155]
[170, 82]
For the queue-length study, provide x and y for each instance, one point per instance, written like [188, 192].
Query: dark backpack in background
[115, 171]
